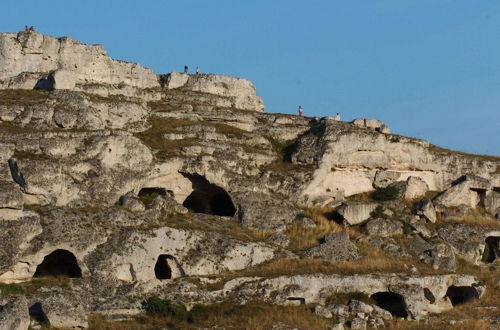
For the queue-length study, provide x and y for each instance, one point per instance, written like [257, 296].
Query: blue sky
[428, 68]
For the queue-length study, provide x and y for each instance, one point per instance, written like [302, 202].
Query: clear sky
[427, 68]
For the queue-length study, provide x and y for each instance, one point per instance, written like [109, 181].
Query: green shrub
[164, 307]
[388, 193]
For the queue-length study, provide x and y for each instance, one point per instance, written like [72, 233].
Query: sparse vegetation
[156, 306]
[388, 193]
[379, 212]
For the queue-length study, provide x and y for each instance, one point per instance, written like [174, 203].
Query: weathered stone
[323, 312]
[355, 213]
[356, 306]
[14, 314]
[415, 188]
[358, 323]
[278, 239]
[335, 247]
[426, 209]
[466, 190]
[384, 227]
[132, 203]
[466, 240]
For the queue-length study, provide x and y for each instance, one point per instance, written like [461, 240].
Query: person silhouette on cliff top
[301, 111]
[185, 69]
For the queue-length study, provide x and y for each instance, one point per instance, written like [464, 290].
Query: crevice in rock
[36, 313]
[59, 263]
[459, 295]
[429, 296]
[392, 302]
[16, 174]
[208, 198]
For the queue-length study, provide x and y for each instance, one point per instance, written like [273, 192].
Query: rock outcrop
[118, 184]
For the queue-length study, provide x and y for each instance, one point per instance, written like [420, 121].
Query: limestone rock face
[125, 184]
[31, 52]
[335, 247]
[14, 314]
[349, 159]
[384, 227]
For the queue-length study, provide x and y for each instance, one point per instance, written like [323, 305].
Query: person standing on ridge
[26, 28]
[185, 69]
[301, 111]
[337, 117]
[197, 70]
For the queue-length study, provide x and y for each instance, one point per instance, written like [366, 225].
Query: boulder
[356, 306]
[335, 247]
[63, 310]
[466, 190]
[384, 227]
[11, 200]
[440, 256]
[466, 240]
[425, 208]
[14, 315]
[415, 188]
[355, 213]
[323, 312]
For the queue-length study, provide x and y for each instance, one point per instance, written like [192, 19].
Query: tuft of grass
[11, 289]
[302, 238]
[388, 193]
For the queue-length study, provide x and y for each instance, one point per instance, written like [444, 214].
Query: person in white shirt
[337, 117]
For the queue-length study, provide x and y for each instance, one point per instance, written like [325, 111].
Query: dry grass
[441, 150]
[22, 96]
[254, 315]
[302, 238]
[478, 220]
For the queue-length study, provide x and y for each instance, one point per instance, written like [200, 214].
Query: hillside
[136, 200]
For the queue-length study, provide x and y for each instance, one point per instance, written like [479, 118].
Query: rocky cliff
[118, 184]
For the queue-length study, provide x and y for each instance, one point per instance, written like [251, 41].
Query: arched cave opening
[208, 198]
[392, 302]
[59, 263]
[36, 312]
[163, 271]
[492, 248]
[461, 294]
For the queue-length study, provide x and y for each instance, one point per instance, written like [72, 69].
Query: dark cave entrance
[208, 198]
[153, 191]
[461, 294]
[59, 263]
[163, 271]
[392, 302]
[492, 249]
[36, 312]
[429, 296]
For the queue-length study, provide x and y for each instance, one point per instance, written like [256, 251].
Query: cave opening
[36, 312]
[429, 296]
[461, 294]
[208, 198]
[59, 263]
[163, 271]
[392, 302]
[492, 249]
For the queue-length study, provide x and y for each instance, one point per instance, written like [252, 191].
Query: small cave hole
[461, 294]
[492, 249]
[162, 267]
[59, 263]
[35, 311]
[208, 198]
[429, 296]
[392, 302]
